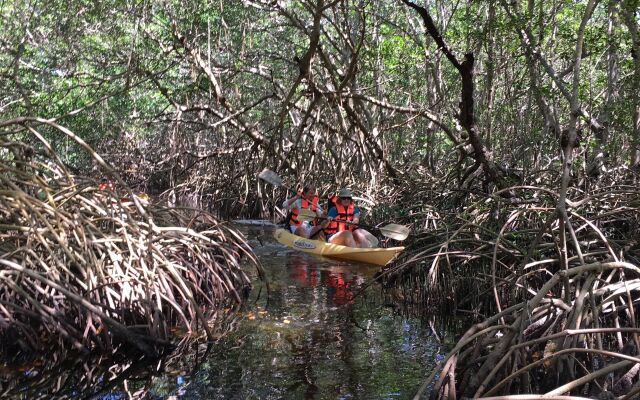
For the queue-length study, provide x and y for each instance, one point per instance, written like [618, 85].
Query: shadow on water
[309, 339]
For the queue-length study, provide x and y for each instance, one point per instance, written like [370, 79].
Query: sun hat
[344, 192]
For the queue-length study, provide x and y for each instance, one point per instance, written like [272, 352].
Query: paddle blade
[394, 231]
[271, 177]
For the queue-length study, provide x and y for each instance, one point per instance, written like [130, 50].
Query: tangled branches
[548, 345]
[562, 288]
[99, 267]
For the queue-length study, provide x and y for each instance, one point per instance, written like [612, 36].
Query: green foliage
[115, 72]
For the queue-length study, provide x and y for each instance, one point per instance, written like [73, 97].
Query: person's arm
[331, 214]
[356, 215]
[290, 203]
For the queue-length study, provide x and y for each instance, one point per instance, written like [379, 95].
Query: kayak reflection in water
[340, 284]
[301, 272]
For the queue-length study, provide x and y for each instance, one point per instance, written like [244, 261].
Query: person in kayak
[338, 232]
[308, 198]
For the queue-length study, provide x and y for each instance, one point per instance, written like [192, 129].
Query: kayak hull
[377, 256]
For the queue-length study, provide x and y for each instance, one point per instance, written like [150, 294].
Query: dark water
[311, 338]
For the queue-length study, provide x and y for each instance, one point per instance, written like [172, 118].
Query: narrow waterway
[316, 335]
[311, 339]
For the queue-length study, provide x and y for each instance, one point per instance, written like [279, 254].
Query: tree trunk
[466, 117]
[490, 72]
[596, 160]
[629, 10]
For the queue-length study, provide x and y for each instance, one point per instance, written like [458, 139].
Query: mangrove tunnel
[498, 142]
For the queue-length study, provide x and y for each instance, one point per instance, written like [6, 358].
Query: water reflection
[311, 338]
[339, 281]
[66, 374]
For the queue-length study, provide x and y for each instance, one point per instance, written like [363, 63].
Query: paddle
[393, 231]
[271, 177]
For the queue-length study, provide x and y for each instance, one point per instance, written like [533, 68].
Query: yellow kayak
[377, 256]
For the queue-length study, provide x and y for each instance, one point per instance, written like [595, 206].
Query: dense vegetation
[507, 133]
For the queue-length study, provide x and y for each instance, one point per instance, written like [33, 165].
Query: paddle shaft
[359, 225]
[393, 231]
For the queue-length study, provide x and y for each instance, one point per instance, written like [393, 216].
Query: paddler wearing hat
[341, 217]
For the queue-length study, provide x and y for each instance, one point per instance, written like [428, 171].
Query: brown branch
[195, 55]
[466, 117]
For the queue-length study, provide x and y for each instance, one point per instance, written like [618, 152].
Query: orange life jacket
[332, 200]
[106, 185]
[313, 205]
[338, 225]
